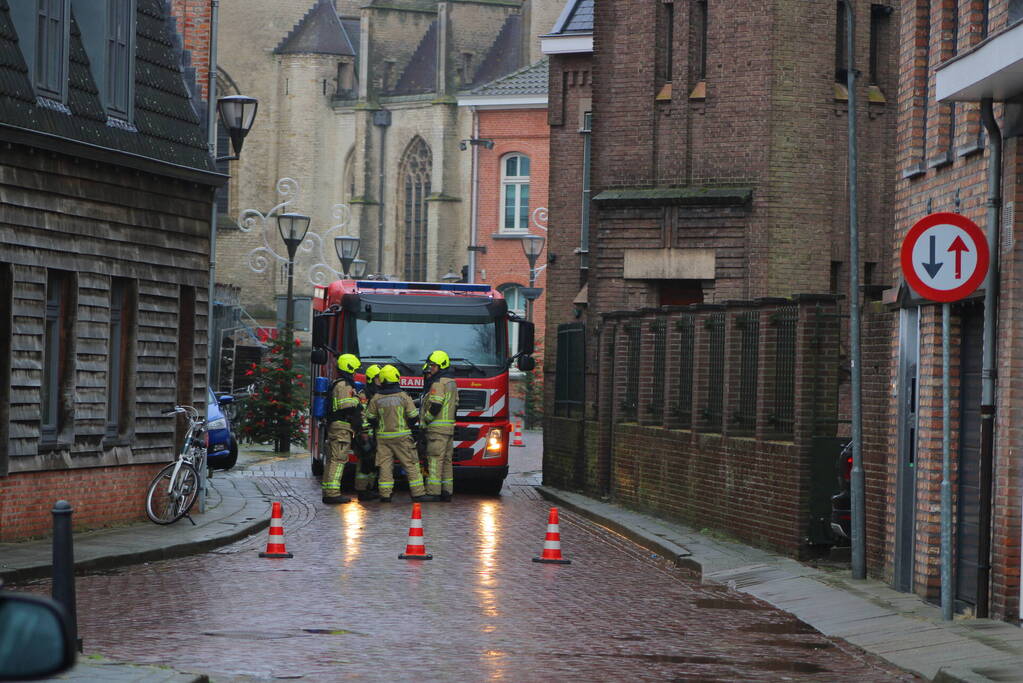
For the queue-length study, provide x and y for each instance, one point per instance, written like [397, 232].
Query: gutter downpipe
[858, 522]
[989, 373]
[474, 202]
[380, 210]
[584, 218]
[211, 139]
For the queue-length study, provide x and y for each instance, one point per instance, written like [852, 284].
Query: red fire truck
[400, 323]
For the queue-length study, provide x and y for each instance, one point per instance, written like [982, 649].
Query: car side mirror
[526, 340]
[526, 363]
[318, 356]
[224, 399]
[321, 330]
[35, 637]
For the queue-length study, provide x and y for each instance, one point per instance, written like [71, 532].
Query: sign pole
[946, 467]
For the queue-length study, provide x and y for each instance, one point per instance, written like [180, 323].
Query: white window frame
[521, 224]
[513, 328]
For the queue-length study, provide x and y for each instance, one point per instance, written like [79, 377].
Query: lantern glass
[358, 267]
[532, 245]
[293, 227]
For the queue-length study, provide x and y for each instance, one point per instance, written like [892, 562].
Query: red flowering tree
[279, 404]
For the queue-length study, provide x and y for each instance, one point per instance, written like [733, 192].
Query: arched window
[415, 187]
[515, 193]
[512, 294]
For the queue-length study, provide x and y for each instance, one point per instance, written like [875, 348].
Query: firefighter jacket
[345, 405]
[440, 405]
[391, 409]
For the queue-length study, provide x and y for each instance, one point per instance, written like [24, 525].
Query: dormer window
[119, 53]
[51, 58]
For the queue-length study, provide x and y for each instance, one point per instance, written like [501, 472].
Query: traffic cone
[416, 548]
[517, 441]
[552, 543]
[275, 543]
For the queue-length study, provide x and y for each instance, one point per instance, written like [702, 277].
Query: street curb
[680, 555]
[44, 571]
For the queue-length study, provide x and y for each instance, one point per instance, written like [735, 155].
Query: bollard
[63, 589]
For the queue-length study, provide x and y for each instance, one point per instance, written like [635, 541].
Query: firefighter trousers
[339, 440]
[440, 477]
[403, 450]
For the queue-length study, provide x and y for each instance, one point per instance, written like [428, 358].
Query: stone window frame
[518, 183]
[416, 178]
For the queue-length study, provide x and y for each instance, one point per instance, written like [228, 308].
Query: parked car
[841, 502]
[35, 637]
[221, 446]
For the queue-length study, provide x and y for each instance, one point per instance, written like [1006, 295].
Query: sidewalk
[898, 627]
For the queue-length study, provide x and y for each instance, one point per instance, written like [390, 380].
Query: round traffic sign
[945, 257]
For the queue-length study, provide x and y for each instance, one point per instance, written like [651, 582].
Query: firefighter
[391, 411]
[439, 406]
[366, 474]
[344, 416]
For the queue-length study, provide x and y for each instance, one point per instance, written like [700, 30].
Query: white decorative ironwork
[540, 218]
[310, 255]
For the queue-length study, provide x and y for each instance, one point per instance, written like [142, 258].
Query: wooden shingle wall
[99, 222]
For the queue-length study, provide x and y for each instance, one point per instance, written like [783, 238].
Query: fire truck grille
[472, 399]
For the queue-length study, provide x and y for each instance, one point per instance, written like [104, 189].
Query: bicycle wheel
[167, 501]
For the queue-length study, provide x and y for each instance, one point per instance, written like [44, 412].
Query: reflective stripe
[447, 481]
[393, 435]
[431, 480]
[340, 403]
[386, 485]
[415, 482]
[360, 475]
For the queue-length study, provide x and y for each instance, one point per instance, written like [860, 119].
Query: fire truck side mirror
[526, 363]
[321, 330]
[318, 357]
[526, 341]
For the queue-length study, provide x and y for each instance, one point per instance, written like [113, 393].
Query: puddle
[327, 631]
[797, 644]
[253, 635]
[721, 603]
[785, 665]
[629, 638]
[783, 628]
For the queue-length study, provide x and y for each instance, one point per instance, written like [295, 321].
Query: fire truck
[400, 323]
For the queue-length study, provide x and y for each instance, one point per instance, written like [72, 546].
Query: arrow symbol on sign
[958, 246]
[933, 267]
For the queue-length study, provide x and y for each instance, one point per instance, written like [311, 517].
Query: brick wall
[193, 24]
[101, 496]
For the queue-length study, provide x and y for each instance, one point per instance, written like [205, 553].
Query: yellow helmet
[348, 362]
[390, 374]
[440, 359]
[372, 371]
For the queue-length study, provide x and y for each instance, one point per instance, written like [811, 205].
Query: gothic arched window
[415, 187]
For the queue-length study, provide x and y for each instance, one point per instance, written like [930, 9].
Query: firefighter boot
[335, 499]
[425, 499]
[368, 495]
[445, 497]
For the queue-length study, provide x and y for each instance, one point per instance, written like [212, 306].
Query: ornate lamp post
[347, 249]
[293, 228]
[532, 246]
[358, 268]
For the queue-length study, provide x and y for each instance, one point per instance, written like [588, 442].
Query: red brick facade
[193, 24]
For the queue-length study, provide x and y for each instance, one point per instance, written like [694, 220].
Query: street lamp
[347, 249]
[293, 228]
[532, 246]
[358, 268]
[237, 112]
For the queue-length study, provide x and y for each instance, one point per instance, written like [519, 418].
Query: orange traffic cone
[517, 441]
[552, 543]
[416, 548]
[275, 543]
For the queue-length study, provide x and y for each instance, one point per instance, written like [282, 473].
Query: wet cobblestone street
[346, 608]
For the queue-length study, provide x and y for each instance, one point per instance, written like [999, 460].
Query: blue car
[222, 448]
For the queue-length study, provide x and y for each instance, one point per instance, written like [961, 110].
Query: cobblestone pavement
[346, 608]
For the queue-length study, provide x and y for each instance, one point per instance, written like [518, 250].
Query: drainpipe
[987, 403]
[584, 218]
[211, 140]
[474, 208]
[858, 522]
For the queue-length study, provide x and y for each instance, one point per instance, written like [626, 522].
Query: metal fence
[686, 348]
[570, 371]
[715, 408]
[748, 324]
[630, 404]
[656, 407]
[783, 417]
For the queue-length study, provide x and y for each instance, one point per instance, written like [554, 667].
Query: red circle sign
[945, 257]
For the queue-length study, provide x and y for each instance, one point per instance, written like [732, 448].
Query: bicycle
[175, 488]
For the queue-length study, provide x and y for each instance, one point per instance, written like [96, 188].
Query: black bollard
[63, 589]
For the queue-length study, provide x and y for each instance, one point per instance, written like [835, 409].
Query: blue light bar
[426, 286]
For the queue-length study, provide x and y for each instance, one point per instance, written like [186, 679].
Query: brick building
[952, 56]
[105, 171]
[358, 104]
[512, 140]
[707, 253]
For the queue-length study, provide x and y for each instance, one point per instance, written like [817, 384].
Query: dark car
[841, 502]
[222, 447]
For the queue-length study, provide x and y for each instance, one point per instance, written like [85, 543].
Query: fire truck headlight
[494, 444]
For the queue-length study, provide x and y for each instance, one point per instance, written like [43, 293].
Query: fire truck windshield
[477, 340]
